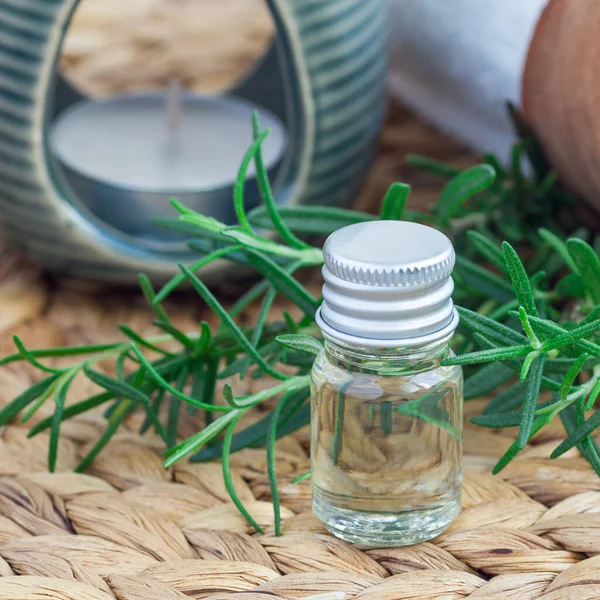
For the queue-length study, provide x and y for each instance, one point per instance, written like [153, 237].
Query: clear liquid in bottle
[386, 453]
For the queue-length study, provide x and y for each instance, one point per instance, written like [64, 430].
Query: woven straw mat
[131, 530]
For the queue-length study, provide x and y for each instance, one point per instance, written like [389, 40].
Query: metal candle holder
[324, 78]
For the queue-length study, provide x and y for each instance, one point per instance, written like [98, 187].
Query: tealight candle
[126, 156]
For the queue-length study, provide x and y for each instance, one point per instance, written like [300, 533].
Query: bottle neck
[414, 359]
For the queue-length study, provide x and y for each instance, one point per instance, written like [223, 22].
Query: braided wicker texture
[129, 529]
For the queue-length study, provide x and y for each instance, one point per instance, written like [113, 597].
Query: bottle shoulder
[386, 376]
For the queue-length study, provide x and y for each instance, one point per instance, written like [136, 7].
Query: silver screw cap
[388, 284]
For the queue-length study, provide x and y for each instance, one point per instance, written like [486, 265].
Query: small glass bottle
[386, 416]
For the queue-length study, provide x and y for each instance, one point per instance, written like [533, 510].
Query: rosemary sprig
[530, 314]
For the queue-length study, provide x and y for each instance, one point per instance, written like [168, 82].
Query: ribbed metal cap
[387, 284]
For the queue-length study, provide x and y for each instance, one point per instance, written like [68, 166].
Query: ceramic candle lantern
[80, 179]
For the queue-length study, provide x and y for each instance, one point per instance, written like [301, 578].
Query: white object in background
[457, 63]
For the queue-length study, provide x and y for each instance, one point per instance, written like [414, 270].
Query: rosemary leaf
[572, 417]
[559, 247]
[177, 280]
[548, 330]
[226, 464]
[228, 396]
[490, 355]
[11, 410]
[118, 388]
[258, 330]
[57, 352]
[59, 399]
[30, 358]
[154, 373]
[318, 220]
[588, 266]
[487, 248]
[283, 282]
[209, 381]
[527, 328]
[462, 188]
[593, 396]
[489, 328]
[240, 184]
[507, 400]
[571, 375]
[140, 341]
[592, 316]
[515, 364]
[216, 307]
[42, 399]
[74, 410]
[508, 419]
[303, 343]
[295, 415]
[483, 281]
[578, 435]
[519, 279]
[264, 188]
[194, 443]
[527, 363]
[514, 448]
[302, 477]
[532, 391]
[175, 407]
[487, 379]
[204, 339]
[115, 421]
[392, 208]
[434, 166]
[312, 256]
[271, 460]
[575, 335]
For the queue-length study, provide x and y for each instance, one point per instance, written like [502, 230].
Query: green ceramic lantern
[321, 87]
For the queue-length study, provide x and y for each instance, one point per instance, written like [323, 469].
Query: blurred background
[114, 46]
[449, 70]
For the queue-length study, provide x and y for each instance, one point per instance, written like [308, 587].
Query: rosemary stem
[580, 391]
[289, 385]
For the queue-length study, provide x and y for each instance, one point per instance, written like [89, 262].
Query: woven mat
[130, 529]
[116, 46]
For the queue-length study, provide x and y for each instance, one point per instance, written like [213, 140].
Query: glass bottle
[386, 416]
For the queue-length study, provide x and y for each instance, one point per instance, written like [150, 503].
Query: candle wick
[174, 107]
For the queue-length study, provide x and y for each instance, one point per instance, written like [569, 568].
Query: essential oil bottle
[386, 416]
